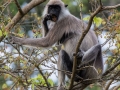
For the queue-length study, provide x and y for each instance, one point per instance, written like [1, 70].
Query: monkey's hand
[80, 54]
[48, 17]
[15, 40]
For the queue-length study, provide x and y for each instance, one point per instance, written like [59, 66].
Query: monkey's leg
[64, 64]
[61, 75]
[92, 62]
[94, 55]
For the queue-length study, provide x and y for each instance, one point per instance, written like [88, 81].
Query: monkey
[59, 25]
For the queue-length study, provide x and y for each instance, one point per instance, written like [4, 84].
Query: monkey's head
[55, 8]
[54, 11]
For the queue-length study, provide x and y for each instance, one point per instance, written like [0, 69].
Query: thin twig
[43, 77]
[18, 6]
[113, 35]
[108, 85]
[112, 68]
[7, 72]
[13, 85]
[117, 87]
[110, 7]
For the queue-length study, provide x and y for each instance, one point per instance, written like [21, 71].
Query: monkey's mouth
[54, 18]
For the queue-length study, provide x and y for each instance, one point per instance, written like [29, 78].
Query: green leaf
[5, 33]
[39, 80]
[1, 33]
[81, 4]
[86, 18]
[55, 48]
[97, 21]
[50, 82]
[4, 86]
[32, 86]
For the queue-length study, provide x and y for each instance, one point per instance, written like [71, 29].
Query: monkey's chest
[66, 37]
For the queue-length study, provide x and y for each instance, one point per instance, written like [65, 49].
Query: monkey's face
[54, 11]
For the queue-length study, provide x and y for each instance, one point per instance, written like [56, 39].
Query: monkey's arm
[36, 42]
[92, 63]
[44, 23]
[52, 37]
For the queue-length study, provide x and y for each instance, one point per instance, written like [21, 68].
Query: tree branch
[108, 85]
[112, 68]
[25, 10]
[110, 82]
[43, 77]
[117, 87]
[110, 7]
[18, 6]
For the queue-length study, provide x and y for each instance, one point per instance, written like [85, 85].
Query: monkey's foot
[80, 54]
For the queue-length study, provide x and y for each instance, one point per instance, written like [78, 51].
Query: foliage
[32, 68]
[97, 20]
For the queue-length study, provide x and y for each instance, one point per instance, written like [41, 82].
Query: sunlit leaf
[97, 21]
[32, 86]
[86, 18]
[81, 4]
[4, 86]
[1, 33]
[50, 82]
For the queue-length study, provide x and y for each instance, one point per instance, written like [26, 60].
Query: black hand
[14, 40]
[48, 17]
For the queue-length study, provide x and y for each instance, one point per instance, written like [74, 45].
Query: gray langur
[61, 26]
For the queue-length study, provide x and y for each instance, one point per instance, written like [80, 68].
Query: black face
[54, 11]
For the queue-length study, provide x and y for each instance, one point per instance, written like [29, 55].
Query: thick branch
[25, 10]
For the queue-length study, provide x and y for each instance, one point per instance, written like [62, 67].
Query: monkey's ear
[66, 5]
